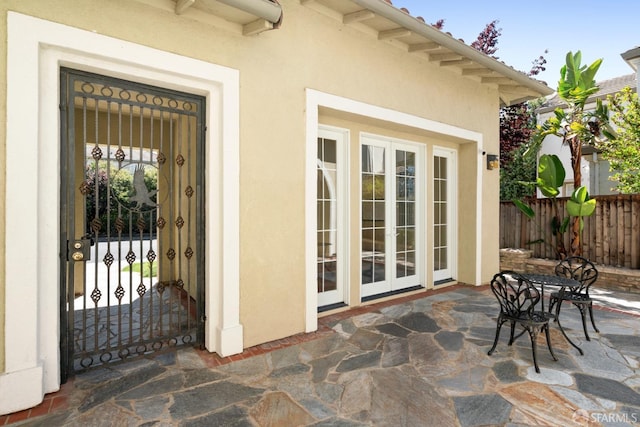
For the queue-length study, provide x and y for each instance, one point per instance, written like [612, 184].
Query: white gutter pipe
[386, 10]
[264, 9]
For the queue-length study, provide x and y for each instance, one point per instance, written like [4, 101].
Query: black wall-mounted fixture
[493, 162]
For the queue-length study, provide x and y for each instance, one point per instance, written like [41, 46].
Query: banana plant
[575, 126]
[550, 179]
[577, 83]
[551, 175]
[581, 205]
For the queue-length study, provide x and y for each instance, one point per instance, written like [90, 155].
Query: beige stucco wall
[309, 51]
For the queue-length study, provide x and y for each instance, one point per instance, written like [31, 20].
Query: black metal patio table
[558, 282]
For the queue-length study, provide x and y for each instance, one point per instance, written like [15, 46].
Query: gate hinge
[203, 318]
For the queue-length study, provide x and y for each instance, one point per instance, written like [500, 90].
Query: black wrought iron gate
[132, 248]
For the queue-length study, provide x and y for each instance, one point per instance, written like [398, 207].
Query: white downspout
[264, 9]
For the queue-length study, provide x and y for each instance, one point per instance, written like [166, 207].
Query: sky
[599, 29]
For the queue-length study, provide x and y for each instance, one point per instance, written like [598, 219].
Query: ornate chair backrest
[580, 269]
[516, 295]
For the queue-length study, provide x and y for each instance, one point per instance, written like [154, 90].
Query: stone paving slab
[417, 363]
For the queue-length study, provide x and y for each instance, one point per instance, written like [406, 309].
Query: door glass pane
[411, 263]
[373, 213]
[401, 270]
[327, 215]
[401, 214]
[443, 190]
[373, 159]
[405, 213]
[440, 213]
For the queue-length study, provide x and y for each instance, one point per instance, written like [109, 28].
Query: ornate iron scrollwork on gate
[140, 292]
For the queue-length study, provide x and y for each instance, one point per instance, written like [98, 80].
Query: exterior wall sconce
[493, 162]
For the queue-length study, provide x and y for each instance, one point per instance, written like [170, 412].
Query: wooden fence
[611, 236]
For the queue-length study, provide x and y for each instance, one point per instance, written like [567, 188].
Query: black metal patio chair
[518, 299]
[582, 270]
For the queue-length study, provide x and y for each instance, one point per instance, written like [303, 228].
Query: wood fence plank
[523, 229]
[562, 209]
[512, 217]
[531, 229]
[606, 227]
[507, 233]
[619, 227]
[597, 220]
[513, 232]
[611, 236]
[536, 231]
[517, 220]
[586, 238]
[635, 232]
[503, 227]
[552, 243]
[544, 249]
[627, 231]
[592, 236]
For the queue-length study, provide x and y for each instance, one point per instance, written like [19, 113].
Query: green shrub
[148, 269]
[109, 201]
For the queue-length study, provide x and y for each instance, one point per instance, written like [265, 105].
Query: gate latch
[80, 249]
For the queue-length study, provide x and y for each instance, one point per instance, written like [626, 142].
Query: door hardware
[80, 249]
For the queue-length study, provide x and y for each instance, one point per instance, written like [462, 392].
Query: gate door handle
[79, 250]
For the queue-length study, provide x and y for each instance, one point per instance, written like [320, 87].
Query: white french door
[391, 215]
[331, 216]
[444, 215]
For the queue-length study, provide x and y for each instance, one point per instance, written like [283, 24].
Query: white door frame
[451, 271]
[391, 283]
[32, 262]
[315, 100]
[341, 220]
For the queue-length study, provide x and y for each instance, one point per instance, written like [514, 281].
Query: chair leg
[583, 315]
[552, 303]
[593, 323]
[513, 330]
[495, 341]
[558, 303]
[565, 334]
[533, 334]
[546, 331]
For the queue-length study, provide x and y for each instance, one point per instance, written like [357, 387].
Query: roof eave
[388, 11]
[632, 57]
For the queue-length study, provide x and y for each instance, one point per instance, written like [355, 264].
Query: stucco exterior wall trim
[32, 331]
[314, 101]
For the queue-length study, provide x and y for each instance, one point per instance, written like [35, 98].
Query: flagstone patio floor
[420, 360]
